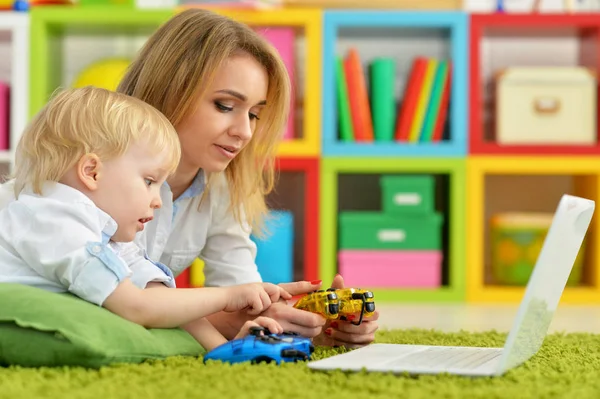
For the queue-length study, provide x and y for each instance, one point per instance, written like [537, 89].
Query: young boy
[88, 172]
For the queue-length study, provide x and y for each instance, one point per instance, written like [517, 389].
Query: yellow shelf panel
[523, 165]
[298, 148]
[500, 294]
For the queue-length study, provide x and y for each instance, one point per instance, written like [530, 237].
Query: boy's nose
[156, 203]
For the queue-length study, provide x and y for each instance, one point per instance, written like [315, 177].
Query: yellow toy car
[339, 303]
[354, 301]
[325, 303]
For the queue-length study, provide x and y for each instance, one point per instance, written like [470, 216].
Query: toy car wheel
[295, 354]
[256, 330]
[262, 359]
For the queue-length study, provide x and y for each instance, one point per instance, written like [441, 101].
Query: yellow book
[424, 96]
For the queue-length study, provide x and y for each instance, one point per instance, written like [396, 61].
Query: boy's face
[128, 189]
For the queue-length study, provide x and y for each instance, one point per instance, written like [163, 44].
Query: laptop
[542, 295]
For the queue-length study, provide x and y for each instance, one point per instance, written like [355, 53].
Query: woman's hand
[295, 320]
[344, 333]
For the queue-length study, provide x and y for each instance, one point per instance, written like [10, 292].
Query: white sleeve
[64, 243]
[7, 193]
[143, 269]
[229, 253]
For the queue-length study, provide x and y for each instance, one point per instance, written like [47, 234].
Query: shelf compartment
[352, 184]
[526, 184]
[498, 41]
[398, 35]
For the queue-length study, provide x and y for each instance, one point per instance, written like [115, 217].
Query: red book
[408, 105]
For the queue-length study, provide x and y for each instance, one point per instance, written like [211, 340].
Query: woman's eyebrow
[239, 96]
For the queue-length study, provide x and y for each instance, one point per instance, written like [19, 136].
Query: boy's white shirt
[60, 242]
[193, 228]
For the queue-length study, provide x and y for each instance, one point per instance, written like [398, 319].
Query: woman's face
[225, 116]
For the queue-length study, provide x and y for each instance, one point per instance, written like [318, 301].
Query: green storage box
[408, 194]
[376, 230]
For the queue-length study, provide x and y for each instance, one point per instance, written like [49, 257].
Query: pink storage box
[4, 115]
[391, 269]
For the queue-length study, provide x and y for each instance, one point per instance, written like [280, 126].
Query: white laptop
[542, 295]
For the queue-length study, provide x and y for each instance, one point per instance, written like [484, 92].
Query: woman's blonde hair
[76, 122]
[177, 64]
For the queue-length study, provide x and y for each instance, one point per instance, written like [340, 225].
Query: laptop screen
[548, 280]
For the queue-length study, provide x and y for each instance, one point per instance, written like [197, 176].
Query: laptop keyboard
[447, 357]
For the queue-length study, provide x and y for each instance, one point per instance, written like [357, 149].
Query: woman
[227, 93]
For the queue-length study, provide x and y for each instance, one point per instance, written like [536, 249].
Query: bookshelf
[450, 202]
[398, 35]
[525, 40]
[475, 177]
[298, 191]
[14, 67]
[66, 39]
[526, 184]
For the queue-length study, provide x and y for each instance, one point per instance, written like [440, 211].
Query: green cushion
[41, 328]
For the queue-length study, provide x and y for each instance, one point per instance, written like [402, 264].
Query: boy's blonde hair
[86, 120]
[177, 64]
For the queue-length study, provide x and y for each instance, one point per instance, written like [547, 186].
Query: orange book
[408, 105]
[358, 97]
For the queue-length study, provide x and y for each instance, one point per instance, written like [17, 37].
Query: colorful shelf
[331, 168]
[510, 26]
[18, 25]
[586, 183]
[455, 23]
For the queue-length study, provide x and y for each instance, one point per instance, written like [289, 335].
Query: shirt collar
[64, 193]
[195, 189]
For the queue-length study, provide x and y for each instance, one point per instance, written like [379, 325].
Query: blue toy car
[262, 346]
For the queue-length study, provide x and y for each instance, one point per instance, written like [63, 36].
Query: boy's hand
[254, 297]
[266, 322]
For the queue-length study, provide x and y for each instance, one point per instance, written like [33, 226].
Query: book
[359, 99]
[424, 96]
[383, 74]
[343, 106]
[408, 103]
[435, 100]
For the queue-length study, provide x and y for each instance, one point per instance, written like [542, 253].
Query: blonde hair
[174, 68]
[76, 122]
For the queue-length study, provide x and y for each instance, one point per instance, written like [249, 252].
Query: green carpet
[567, 366]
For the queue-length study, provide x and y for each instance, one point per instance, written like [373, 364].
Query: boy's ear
[88, 170]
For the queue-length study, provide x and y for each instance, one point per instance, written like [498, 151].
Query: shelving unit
[526, 184]
[498, 41]
[66, 39]
[453, 205]
[299, 193]
[475, 177]
[399, 35]
[14, 68]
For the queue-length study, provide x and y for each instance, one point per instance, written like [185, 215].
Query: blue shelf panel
[441, 149]
[457, 23]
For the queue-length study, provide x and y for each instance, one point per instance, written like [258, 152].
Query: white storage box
[546, 105]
